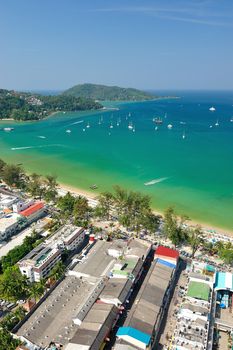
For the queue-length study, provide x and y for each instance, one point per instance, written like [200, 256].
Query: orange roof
[32, 209]
[7, 211]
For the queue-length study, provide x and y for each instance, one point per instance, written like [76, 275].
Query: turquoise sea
[194, 174]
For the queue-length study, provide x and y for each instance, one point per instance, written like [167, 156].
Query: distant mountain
[108, 93]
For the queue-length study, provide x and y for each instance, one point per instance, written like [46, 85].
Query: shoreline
[206, 227]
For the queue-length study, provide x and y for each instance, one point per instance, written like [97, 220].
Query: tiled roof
[164, 251]
[32, 209]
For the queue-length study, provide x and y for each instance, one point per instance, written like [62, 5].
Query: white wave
[155, 181]
[30, 147]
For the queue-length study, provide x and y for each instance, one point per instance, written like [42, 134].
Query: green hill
[28, 106]
[107, 93]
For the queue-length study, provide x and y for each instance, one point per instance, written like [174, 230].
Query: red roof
[171, 253]
[32, 209]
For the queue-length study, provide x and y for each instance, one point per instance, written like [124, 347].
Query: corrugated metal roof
[164, 251]
[134, 333]
[32, 209]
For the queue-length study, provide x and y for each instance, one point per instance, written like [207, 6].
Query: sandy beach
[92, 197]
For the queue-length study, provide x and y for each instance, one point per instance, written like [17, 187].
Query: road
[16, 240]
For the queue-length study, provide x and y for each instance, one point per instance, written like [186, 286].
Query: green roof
[198, 290]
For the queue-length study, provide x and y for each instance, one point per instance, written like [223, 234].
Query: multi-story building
[39, 262]
[9, 224]
[69, 237]
[33, 212]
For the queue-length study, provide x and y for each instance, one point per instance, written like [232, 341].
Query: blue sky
[149, 44]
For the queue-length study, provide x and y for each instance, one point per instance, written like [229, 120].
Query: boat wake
[30, 147]
[42, 137]
[155, 181]
[80, 121]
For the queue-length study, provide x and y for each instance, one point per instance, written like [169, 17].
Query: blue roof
[134, 333]
[166, 263]
[224, 281]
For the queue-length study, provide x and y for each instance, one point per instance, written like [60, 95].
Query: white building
[20, 206]
[69, 237]
[8, 225]
[39, 262]
[7, 201]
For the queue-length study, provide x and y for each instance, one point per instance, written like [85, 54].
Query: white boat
[130, 126]
[68, 131]
[231, 120]
[169, 126]
[211, 126]
[129, 114]
[156, 128]
[134, 129]
[217, 123]
[183, 136]
[165, 116]
[8, 129]
[88, 125]
[212, 109]
[111, 126]
[84, 129]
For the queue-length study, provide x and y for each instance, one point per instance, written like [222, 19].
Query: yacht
[212, 109]
[169, 126]
[158, 120]
[8, 129]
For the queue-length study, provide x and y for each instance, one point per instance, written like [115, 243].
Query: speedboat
[169, 126]
[68, 131]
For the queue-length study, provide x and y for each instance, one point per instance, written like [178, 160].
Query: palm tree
[36, 290]
[195, 239]
[58, 271]
[106, 202]
[50, 193]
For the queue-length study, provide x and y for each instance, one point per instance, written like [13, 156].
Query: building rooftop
[198, 290]
[65, 233]
[224, 281]
[8, 220]
[95, 327]
[52, 321]
[97, 262]
[39, 254]
[145, 311]
[32, 209]
[165, 251]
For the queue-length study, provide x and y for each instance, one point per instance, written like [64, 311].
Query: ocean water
[194, 174]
